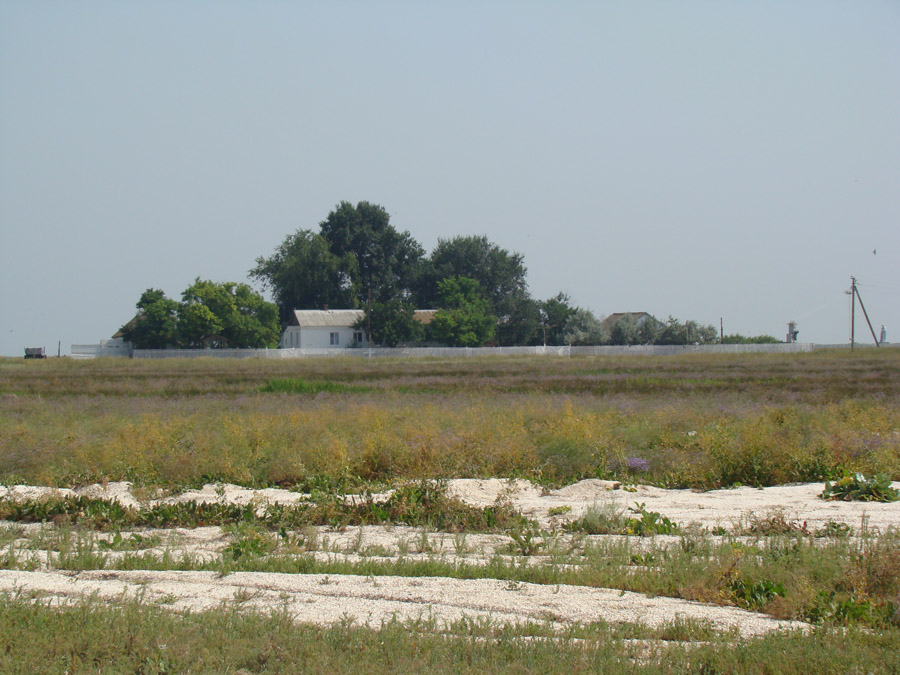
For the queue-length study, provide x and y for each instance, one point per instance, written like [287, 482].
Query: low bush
[861, 488]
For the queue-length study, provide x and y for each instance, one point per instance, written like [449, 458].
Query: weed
[527, 538]
[649, 523]
[755, 594]
[861, 488]
[299, 386]
[249, 542]
[834, 529]
[772, 523]
[132, 542]
[459, 544]
[605, 517]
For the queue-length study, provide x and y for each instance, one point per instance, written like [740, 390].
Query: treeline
[357, 259]
[209, 315]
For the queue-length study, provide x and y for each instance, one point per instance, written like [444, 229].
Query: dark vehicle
[35, 353]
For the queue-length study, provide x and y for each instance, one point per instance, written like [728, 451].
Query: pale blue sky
[702, 159]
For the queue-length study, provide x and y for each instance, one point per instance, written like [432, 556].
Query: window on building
[335, 339]
[358, 337]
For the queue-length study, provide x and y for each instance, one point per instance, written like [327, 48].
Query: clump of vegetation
[861, 488]
[605, 517]
[609, 518]
[649, 523]
[755, 594]
[293, 385]
[425, 503]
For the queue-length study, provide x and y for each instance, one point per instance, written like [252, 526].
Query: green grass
[298, 386]
[88, 637]
[824, 579]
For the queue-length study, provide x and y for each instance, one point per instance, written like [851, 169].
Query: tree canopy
[583, 328]
[387, 261]
[156, 323]
[555, 312]
[304, 273]
[359, 259]
[209, 314]
[501, 276]
[391, 323]
[463, 319]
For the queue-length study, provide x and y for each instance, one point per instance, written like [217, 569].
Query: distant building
[639, 318]
[332, 328]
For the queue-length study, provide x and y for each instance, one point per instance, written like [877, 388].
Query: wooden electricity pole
[854, 295]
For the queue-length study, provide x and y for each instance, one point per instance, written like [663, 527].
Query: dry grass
[701, 421]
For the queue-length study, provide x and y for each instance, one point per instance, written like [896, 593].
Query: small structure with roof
[639, 318]
[332, 328]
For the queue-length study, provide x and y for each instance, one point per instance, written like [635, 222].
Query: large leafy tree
[156, 323]
[624, 331]
[500, 276]
[391, 323]
[464, 318]
[676, 333]
[234, 312]
[304, 273]
[583, 328]
[555, 312]
[356, 256]
[388, 261]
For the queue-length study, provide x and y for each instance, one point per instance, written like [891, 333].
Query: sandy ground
[716, 508]
[373, 600]
[320, 599]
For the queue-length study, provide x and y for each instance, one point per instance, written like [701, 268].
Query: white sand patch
[227, 493]
[715, 508]
[116, 492]
[326, 599]
[21, 493]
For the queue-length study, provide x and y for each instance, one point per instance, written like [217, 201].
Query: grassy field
[693, 421]
[334, 426]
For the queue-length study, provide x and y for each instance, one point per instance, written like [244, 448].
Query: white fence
[456, 352]
[113, 347]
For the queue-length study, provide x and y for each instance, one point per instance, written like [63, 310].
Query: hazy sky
[701, 159]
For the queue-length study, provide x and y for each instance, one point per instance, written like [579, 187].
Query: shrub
[861, 488]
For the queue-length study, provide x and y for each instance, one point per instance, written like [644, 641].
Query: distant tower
[883, 339]
[792, 332]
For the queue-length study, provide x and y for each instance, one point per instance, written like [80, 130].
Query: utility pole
[721, 331]
[369, 317]
[852, 311]
[854, 294]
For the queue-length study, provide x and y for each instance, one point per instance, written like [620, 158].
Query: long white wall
[643, 350]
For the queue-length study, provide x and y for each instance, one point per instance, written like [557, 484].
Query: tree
[738, 339]
[303, 273]
[463, 319]
[500, 275]
[233, 312]
[583, 328]
[690, 332]
[392, 322]
[196, 323]
[387, 261]
[624, 331]
[156, 323]
[555, 312]
[648, 330]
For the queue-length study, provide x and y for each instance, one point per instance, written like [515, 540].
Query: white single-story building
[318, 328]
[331, 328]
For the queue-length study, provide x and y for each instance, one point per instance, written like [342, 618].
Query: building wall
[319, 337]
